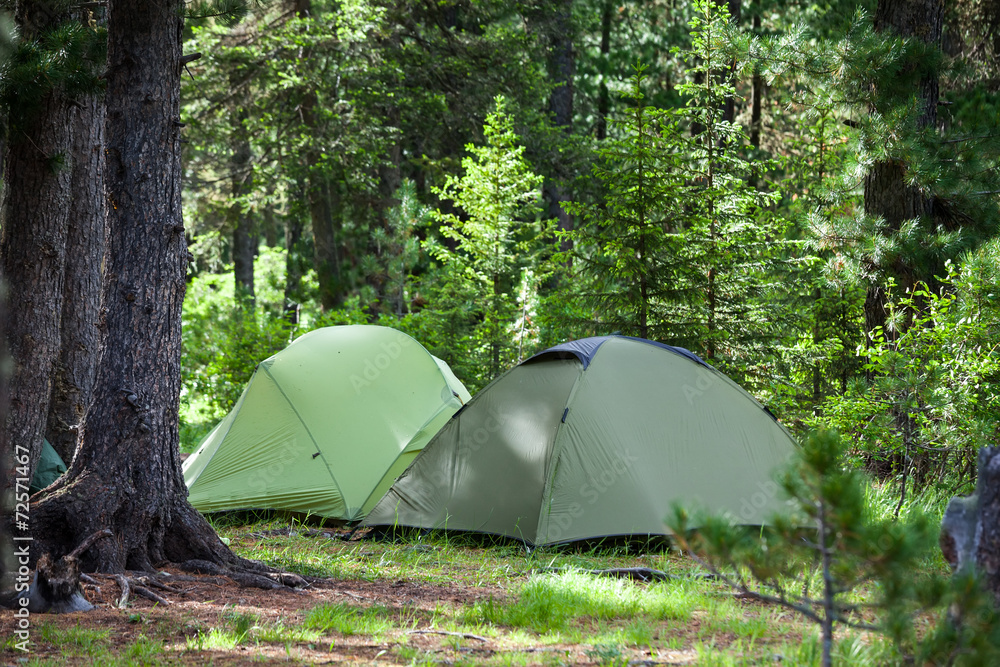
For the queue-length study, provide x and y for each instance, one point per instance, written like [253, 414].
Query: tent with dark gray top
[326, 425]
[594, 438]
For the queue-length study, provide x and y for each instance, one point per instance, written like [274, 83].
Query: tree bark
[73, 383]
[34, 223]
[604, 95]
[970, 529]
[126, 475]
[240, 183]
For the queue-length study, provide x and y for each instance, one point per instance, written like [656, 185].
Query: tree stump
[55, 587]
[970, 529]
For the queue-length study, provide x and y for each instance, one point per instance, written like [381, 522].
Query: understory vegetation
[447, 599]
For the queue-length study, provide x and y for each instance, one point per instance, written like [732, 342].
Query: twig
[150, 595]
[352, 595]
[466, 635]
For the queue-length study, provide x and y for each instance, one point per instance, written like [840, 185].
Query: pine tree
[731, 239]
[812, 558]
[493, 238]
[627, 253]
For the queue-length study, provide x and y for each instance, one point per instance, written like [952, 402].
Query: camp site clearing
[432, 600]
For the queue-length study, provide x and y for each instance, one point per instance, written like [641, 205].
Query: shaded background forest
[803, 194]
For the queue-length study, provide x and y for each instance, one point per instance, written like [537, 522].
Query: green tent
[595, 438]
[50, 468]
[325, 425]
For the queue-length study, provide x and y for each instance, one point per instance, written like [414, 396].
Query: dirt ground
[201, 604]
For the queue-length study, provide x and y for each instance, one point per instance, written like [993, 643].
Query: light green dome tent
[595, 438]
[325, 425]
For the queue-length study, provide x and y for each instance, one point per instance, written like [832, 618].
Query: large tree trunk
[126, 475]
[887, 194]
[34, 223]
[73, 383]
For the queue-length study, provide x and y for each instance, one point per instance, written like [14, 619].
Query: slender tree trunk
[562, 65]
[389, 179]
[242, 224]
[35, 216]
[729, 106]
[73, 383]
[756, 92]
[326, 251]
[293, 263]
[126, 475]
[604, 95]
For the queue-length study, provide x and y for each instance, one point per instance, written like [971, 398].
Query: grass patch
[549, 601]
[75, 640]
[347, 619]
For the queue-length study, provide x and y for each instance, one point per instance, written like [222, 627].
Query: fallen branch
[465, 635]
[637, 573]
[150, 595]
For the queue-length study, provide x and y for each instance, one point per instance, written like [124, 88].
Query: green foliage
[495, 237]
[682, 248]
[627, 254]
[837, 560]
[350, 620]
[732, 243]
[222, 342]
[397, 248]
[60, 55]
[932, 400]
[816, 558]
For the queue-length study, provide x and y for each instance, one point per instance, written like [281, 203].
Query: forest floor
[434, 601]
